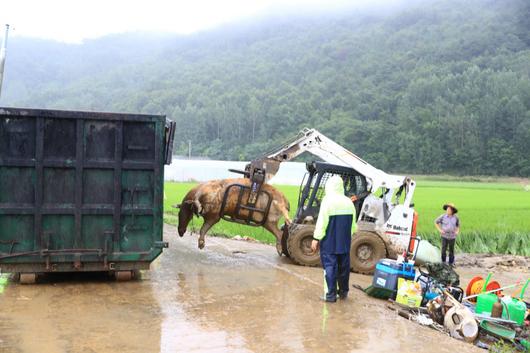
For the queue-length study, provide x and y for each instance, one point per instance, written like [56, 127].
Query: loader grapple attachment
[246, 207]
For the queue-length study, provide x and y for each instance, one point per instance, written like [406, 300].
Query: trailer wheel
[28, 278]
[299, 246]
[367, 249]
[123, 275]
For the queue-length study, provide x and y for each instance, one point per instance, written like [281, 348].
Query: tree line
[439, 87]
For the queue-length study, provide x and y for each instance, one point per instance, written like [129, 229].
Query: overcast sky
[75, 20]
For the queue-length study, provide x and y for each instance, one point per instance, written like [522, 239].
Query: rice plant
[495, 217]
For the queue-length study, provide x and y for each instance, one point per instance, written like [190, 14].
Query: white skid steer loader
[386, 220]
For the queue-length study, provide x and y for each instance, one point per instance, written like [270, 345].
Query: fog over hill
[427, 87]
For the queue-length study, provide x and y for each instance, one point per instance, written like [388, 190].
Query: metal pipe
[492, 291]
[3, 58]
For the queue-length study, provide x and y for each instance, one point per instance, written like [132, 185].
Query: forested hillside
[441, 87]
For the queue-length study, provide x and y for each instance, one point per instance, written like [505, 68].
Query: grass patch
[495, 216]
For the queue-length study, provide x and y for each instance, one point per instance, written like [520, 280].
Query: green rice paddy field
[494, 216]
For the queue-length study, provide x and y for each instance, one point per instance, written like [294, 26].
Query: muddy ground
[234, 296]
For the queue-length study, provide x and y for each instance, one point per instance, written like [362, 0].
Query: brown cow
[206, 198]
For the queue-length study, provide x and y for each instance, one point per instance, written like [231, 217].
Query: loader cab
[314, 182]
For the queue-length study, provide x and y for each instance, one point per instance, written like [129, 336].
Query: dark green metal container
[81, 191]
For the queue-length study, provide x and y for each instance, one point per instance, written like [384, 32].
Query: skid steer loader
[386, 220]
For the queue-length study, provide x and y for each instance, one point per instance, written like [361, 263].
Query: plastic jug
[485, 302]
[517, 311]
[525, 344]
[460, 323]
[516, 308]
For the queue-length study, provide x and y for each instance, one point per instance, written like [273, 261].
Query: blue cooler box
[388, 271]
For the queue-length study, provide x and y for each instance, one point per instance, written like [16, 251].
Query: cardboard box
[409, 293]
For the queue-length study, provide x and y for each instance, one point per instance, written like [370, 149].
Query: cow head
[188, 209]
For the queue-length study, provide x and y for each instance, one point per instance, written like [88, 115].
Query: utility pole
[3, 58]
[189, 149]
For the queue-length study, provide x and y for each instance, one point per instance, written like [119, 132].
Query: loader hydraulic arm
[312, 141]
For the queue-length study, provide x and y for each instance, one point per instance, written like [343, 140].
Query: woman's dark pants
[448, 243]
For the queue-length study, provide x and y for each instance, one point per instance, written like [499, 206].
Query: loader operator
[335, 225]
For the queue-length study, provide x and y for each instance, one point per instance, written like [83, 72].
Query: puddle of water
[273, 306]
[213, 300]
[81, 313]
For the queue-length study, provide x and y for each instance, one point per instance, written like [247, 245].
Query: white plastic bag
[426, 252]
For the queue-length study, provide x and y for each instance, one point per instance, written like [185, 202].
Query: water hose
[478, 285]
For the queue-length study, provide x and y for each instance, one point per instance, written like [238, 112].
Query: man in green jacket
[333, 231]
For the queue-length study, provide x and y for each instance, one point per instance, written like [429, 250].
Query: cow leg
[283, 211]
[204, 229]
[273, 228]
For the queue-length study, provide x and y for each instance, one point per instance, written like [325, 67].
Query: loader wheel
[299, 246]
[366, 249]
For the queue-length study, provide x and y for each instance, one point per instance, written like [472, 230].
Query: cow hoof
[201, 244]
[279, 249]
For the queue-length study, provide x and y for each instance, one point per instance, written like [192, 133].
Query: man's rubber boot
[325, 299]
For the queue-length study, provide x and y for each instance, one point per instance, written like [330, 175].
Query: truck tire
[299, 246]
[122, 276]
[28, 278]
[366, 249]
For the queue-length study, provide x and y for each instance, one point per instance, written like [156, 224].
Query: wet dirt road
[234, 296]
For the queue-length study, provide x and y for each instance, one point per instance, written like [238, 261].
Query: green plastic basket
[380, 293]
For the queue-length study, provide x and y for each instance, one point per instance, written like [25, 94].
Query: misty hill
[432, 88]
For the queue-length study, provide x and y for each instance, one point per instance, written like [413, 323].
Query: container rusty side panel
[80, 190]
